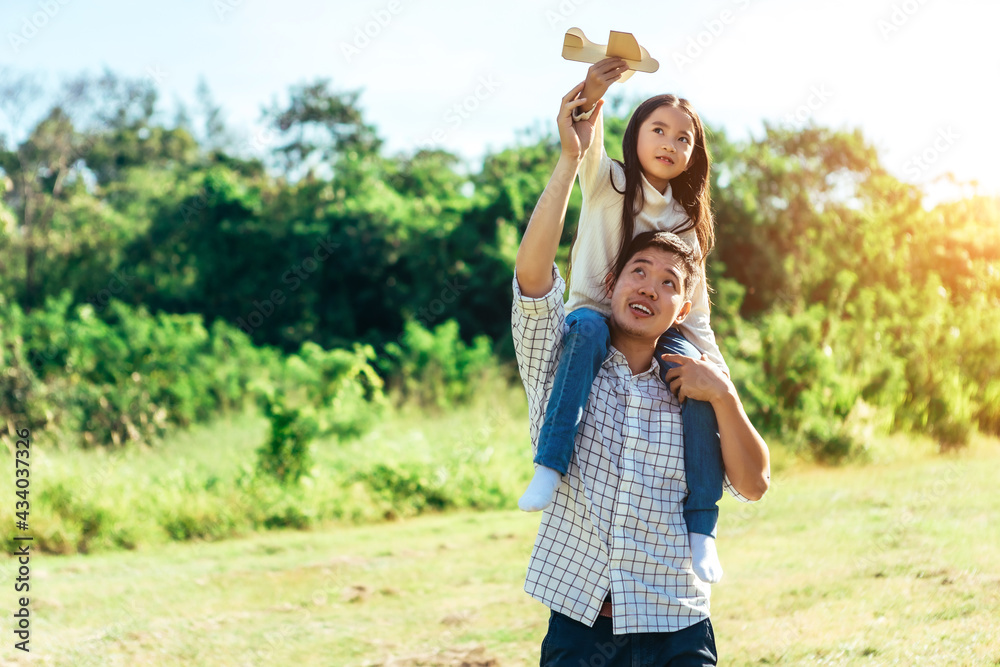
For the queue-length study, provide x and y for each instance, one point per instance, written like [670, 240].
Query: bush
[285, 455]
[128, 376]
[436, 368]
[340, 388]
[124, 376]
[801, 393]
[988, 414]
[406, 491]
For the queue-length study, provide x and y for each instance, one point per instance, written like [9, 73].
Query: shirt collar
[618, 364]
[654, 195]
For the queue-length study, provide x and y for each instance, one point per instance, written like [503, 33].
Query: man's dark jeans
[569, 643]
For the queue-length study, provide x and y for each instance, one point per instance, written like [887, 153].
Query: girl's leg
[585, 345]
[702, 464]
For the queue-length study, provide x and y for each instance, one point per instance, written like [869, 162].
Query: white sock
[704, 558]
[541, 491]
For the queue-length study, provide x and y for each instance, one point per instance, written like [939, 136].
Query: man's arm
[537, 252]
[744, 452]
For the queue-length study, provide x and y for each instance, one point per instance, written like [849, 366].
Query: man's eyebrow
[642, 260]
[667, 125]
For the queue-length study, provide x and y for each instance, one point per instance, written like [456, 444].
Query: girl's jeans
[585, 347]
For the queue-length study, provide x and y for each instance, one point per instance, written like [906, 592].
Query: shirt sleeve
[728, 486]
[537, 328]
[596, 167]
[583, 115]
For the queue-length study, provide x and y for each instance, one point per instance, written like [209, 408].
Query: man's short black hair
[667, 242]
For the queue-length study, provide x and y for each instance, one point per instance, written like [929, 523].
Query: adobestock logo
[462, 110]
[223, 7]
[30, 25]
[900, 16]
[259, 142]
[561, 14]
[921, 162]
[818, 97]
[886, 541]
[294, 276]
[116, 285]
[156, 74]
[698, 44]
[363, 35]
[427, 315]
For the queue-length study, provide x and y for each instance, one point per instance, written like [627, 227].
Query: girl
[662, 184]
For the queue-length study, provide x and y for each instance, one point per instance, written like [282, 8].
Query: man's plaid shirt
[616, 523]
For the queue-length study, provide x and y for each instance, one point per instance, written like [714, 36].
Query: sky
[919, 77]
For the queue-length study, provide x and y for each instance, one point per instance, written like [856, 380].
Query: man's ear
[609, 284]
[684, 311]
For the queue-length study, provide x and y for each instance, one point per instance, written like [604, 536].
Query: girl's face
[665, 145]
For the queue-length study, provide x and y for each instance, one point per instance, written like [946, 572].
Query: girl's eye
[658, 130]
[637, 270]
[686, 139]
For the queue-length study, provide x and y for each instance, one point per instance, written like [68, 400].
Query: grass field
[896, 562]
[203, 484]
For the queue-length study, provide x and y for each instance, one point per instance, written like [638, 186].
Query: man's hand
[600, 76]
[575, 138]
[744, 452]
[700, 379]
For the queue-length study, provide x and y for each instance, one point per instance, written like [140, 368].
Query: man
[611, 559]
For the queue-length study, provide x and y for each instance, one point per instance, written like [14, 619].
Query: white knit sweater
[599, 235]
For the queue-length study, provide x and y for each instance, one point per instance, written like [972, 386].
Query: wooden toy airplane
[577, 47]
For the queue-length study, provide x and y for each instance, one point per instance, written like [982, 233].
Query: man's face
[648, 297]
[665, 145]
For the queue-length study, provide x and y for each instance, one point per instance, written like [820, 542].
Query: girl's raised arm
[597, 166]
[600, 76]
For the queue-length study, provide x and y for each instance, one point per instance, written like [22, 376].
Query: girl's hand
[699, 379]
[600, 76]
[575, 138]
